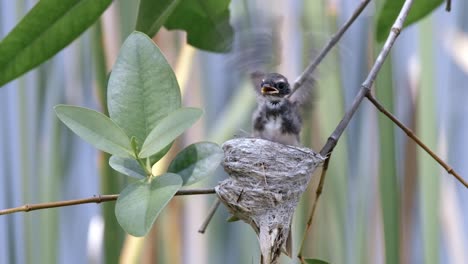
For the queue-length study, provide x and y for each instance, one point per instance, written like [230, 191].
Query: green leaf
[196, 161]
[169, 129]
[315, 261]
[391, 8]
[152, 15]
[142, 87]
[127, 166]
[206, 23]
[95, 128]
[140, 203]
[49, 27]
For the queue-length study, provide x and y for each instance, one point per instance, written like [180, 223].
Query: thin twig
[448, 5]
[365, 89]
[95, 199]
[318, 192]
[195, 191]
[332, 42]
[411, 134]
[209, 217]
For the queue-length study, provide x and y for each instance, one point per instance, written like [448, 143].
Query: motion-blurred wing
[256, 78]
[304, 95]
[256, 48]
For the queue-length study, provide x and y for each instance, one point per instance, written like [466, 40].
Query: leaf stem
[143, 166]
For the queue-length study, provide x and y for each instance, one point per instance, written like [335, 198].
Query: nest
[266, 182]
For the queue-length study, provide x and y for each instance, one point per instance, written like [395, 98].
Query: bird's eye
[281, 85]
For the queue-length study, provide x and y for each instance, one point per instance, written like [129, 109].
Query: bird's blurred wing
[256, 80]
[305, 93]
[256, 47]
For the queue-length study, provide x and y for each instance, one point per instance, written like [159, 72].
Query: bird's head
[275, 86]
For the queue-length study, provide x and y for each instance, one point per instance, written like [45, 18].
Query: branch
[367, 84]
[411, 134]
[318, 192]
[211, 213]
[334, 39]
[95, 199]
[448, 6]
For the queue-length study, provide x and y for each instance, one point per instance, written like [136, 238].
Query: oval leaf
[141, 202]
[127, 166]
[169, 129]
[197, 161]
[142, 87]
[391, 8]
[46, 29]
[206, 23]
[95, 128]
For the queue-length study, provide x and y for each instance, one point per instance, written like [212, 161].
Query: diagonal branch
[411, 134]
[367, 84]
[95, 199]
[211, 213]
[332, 42]
[318, 192]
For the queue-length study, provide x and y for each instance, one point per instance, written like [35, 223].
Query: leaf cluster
[146, 116]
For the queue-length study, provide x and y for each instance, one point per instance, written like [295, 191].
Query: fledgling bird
[278, 114]
[277, 117]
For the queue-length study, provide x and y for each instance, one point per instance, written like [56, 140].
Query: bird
[277, 116]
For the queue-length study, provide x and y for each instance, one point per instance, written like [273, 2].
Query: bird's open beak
[269, 90]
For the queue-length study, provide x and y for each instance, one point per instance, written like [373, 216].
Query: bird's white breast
[273, 127]
[272, 131]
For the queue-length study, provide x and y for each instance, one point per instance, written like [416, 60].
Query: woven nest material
[266, 182]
